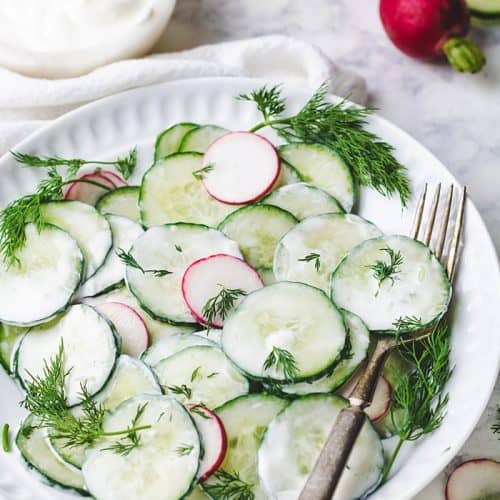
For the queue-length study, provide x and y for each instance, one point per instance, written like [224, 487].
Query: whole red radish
[426, 29]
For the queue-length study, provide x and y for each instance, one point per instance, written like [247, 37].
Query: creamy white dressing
[70, 25]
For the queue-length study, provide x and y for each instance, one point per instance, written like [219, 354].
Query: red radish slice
[89, 193]
[381, 399]
[240, 167]
[474, 479]
[214, 440]
[116, 179]
[205, 277]
[129, 326]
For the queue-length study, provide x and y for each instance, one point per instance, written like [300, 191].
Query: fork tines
[451, 261]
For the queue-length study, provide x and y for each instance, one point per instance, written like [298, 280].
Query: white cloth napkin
[28, 103]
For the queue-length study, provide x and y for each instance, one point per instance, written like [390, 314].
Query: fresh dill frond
[340, 127]
[199, 412]
[496, 425]
[221, 304]
[419, 397]
[5, 438]
[383, 270]
[184, 449]
[195, 374]
[25, 210]
[405, 323]
[125, 165]
[269, 101]
[198, 174]
[129, 260]
[178, 248]
[46, 399]
[213, 374]
[282, 361]
[229, 486]
[182, 390]
[313, 257]
[132, 438]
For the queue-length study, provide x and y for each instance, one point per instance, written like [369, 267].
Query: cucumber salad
[196, 335]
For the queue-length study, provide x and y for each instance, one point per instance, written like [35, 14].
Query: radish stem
[464, 55]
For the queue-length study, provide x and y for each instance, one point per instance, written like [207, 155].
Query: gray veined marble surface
[456, 116]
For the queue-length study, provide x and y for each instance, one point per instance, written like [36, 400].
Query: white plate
[113, 125]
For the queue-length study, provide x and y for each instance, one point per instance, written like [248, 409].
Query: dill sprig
[195, 374]
[132, 439]
[341, 127]
[383, 270]
[283, 361]
[405, 323]
[125, 165]
[496, 425]
[129, 260]
[220, 304]
[313, 257]
[419, 397]
[228, 486]
[46, 399]
[196, 409]
[182, 390]
[198, 174]
[184, 449]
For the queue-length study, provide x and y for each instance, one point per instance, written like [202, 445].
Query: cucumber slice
[50, 271]
[324, 168]
[158, 248]
[198, 494]
[204, 373]
[84, 223]
[360, 339]
[34, 446]
[245, 420]
[171, 193]
[171, 345]
[155, 469]
[303, 200]
[419, 288]
[486, 9]
[157, 329]
[213, 334]
[327, 238]
[290, 316]
[198, 139]
[123, 201]
[9, 338]
[257, 229]
[267, 275]
[294, 440]
[112, 272]
[169, 141]
[130, 378]
[90, 350]
[288, 175]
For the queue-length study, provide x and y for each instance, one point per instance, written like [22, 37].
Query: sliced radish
[381, 399]
[213, 437]
[116, 179]
[89, 193]
[240, 167]
[129, 326]
[205, 277]
[474, 479]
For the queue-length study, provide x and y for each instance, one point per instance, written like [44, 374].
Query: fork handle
[334, 455]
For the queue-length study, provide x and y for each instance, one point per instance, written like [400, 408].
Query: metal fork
[330, 464]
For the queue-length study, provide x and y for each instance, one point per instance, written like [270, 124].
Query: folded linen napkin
[28, 103]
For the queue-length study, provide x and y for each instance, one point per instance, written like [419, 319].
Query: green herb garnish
[340, 127]
[184, 449]
[283, 361]
[312, 257]
[419, 398]
[125, 165]
[201, 413]
[405, 323]
[46, 399]
[221, 304]
[383, 270]
[178, 248]
[198, 174]
[496, 426]
[5, 438]
[182, 390]
[129, 260]
[228, 486]
[195, 374]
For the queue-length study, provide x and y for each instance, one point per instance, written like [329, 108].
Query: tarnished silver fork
[330, 464]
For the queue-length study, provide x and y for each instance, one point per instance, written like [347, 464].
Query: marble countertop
[454, 115]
